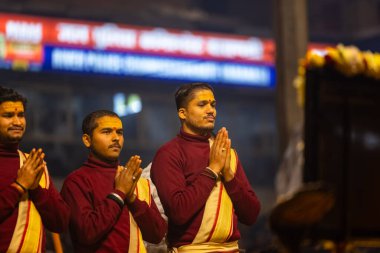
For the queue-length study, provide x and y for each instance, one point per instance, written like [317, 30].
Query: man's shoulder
[78, 174]
[173, 143]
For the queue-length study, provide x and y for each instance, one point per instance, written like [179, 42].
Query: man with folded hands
[29, 202]
[111, 206]
[200, 179]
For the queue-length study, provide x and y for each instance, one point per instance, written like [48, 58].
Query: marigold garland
[348, 60]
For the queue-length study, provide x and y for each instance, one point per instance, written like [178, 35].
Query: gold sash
[217, 222]
[28, 233]
[142, 192]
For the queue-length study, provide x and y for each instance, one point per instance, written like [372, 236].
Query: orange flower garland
[348, 60]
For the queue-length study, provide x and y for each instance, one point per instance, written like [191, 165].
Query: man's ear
[182, 113]
[86, 140]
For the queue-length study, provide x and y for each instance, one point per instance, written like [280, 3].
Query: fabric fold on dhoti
[217, 222]
[142, 192]
[28, 233]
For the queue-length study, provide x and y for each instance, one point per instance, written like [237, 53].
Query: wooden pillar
[291, 43]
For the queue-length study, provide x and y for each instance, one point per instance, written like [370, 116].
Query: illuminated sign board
[47, 44]
[109, 36]
[91, 61]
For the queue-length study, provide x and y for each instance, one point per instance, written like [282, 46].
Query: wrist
[33, 187]
[131, 199]
[120, 191]
[18, 188]
[19, 185]
[208, 172]
[117, 198]
[213, 171]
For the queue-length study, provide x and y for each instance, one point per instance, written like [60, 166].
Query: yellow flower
[315, 59]
[352, 62]
[348, 60]
[372, 64]
[377, 63]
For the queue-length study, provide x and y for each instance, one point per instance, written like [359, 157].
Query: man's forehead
[109, 122]
[12, 106]
[204, 95]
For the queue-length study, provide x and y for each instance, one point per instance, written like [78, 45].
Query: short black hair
[8, 94]
[186, 92]
[89, 123]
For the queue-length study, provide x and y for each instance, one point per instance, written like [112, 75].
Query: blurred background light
[124, 106]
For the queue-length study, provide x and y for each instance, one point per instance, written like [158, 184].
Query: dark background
[58, 102]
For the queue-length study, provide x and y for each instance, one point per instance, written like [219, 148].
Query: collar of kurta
[193, 137]
[92, 162]
[9, 149]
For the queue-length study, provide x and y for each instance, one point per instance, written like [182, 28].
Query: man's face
[12, 122]
[200, 114]
[107, 139]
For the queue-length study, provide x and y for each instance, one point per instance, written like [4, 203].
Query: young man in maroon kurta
[20, 185]
[102, 195]
[186, 169]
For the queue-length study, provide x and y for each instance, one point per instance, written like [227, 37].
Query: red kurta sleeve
[89, 223]
[181, 200]
[244, 199]
[52, 208]
[9, 198]
[153, 227]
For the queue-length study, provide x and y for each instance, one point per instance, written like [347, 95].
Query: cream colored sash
[217, 222]
[28, 234]
[142, 192]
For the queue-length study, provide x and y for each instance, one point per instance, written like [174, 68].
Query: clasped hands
[127, 177]
[29, 175]
[220, 155]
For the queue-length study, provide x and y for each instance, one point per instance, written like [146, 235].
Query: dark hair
[186, 92]
[7, 94]
[89, 123]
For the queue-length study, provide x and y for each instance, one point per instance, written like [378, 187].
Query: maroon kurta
[97, 223]
[183, 190]
[53, 210]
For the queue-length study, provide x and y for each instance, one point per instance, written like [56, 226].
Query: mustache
[16, 128]
[209, 115]
[115, 145]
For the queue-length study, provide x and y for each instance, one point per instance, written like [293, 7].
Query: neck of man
[8, 142]
[102, 158]
[196, 131]
[9, 146]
